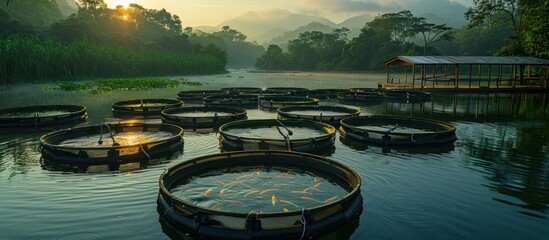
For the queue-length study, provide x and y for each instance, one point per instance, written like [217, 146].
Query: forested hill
[507, 27]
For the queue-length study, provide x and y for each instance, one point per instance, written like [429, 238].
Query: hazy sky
[213, 12]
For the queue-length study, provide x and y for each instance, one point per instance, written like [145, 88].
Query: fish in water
[251, 192]
[207, 192]
[257, 171]
[221, 192]
[235, 202]
[273, 200]
[330, 199]
[234, 183]
[214, 207]
[244, 176]
[316, 185]
[264, 191]
[285, 210]
[309, 199]
[301, 192]
[287, 202]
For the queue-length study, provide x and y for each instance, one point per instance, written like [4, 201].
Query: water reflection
[360, 146]
[512, 152]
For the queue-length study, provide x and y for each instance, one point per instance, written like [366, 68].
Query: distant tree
[497, 12]
[431, 32]
[273, 59]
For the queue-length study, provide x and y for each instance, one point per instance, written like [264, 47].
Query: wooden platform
[464, 88]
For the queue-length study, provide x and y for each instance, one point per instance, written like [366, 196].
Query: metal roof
[441, 60]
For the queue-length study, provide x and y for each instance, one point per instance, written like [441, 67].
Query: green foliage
[125, 84]
[38, 14]
[527, 19]
[28, 58]
[273, 59]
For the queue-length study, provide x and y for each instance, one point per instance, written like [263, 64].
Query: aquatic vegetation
[28, 58]
[128, 84]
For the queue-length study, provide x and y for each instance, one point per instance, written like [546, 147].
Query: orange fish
[285, 210]
[244, 176]
[300, 192]
[214, 207]
[316, 185]
[207, 192]
[330, 199]
[236, 202]
[264, 191]
[273, 200]
[309, 199]
[257, 170]
[221, 192]
[315, 178]
[287, 202]
[251, 192]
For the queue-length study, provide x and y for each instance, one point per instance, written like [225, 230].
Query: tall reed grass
[28, 58]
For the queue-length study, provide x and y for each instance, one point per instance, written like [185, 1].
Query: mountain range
[277, 26]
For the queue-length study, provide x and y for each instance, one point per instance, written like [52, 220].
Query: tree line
[503, 27]
[39, 43]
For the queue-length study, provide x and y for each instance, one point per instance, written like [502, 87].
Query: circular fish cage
[294, 91]
[325, 93]
[198, 95]
[326, 114]
[111, 143]
[259, 195]
[273, 134]
[143, 107]
[360, 97]
[406, 96]
[202, 117]
[274, 102]
[42, 115]
[397, 131]
[241, 100]
[242, 90]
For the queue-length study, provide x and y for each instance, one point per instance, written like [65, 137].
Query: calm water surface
[492, 183]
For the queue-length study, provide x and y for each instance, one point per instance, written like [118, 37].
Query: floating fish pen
[259, 195]
[241, 100]
[111, 143]
[397, 131]
[274, 102]
[406, 96]
[326, 114]
[360, 97]
[273, 134]
[294, 91]
[242, 90]
[203, 117]
[42, 115]
[198, 95]
[143, 107]
[326, 93]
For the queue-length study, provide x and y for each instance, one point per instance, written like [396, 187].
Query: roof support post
[489, 74]
[456, 78]
[434, 76]
[413, 76]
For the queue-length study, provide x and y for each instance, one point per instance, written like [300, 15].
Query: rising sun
[124, 3]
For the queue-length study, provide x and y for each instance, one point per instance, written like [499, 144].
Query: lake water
[492, 183]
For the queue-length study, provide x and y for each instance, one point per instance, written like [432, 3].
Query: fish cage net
[273, 134]
[241, 100]
[42, 115]
[242, 90]
[212, 222]
[198, 95]
[203, 117]
[325, 93]
[275, 102]
[143, 107]
[406, 96]
[293, 91]
[111, 143]
[395, 130]
[326, 114]
[359, 96]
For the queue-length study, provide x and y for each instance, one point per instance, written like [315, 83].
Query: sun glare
[124, 3]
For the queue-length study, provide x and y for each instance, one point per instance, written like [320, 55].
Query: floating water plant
[125, 84]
